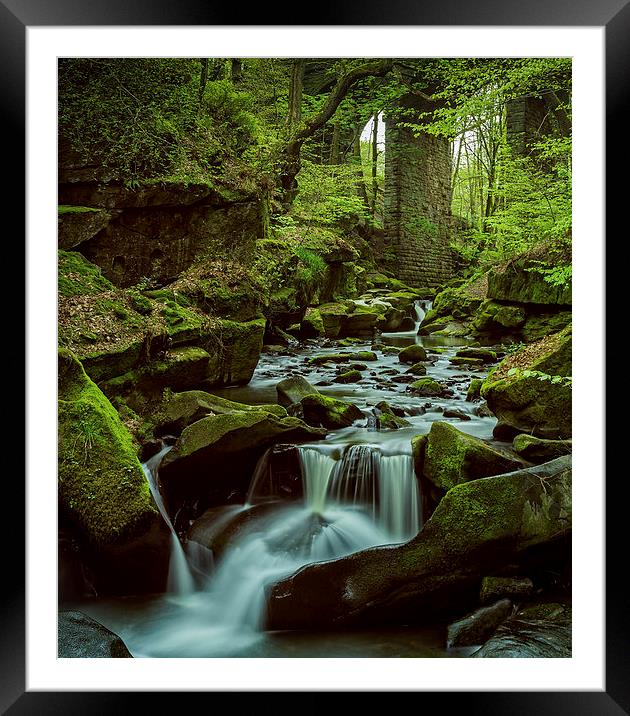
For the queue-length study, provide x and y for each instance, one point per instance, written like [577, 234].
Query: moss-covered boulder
[535, 397]
[426, 387]
[103, 489]
[76, 224]
[292, 390]
[412, 354]
[474, 390]
[234, 359]
[522, 281]
[78, 277]
[312, 325]
[496, 319]
[348, 376]
[539, 450]
[389, 418]
[479, 528]
[466, 362]
[417, 369]
[321, 410]
[483, 354]
[333, 316]
[452, 457]
[183, 409]
[216, 456]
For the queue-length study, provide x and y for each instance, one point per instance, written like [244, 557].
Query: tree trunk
[295, 94]
[290, 156]
[374, 163]
[204, 78]
[334, 145]
[361, 190]
[237, 70]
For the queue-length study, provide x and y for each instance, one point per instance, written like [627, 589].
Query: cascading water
[180, 579]
[352, 501]
[421, 308]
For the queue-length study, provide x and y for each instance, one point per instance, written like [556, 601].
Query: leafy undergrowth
[523, 359]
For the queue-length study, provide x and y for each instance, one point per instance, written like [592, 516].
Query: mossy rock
[239, 346]
[528, 404]
[117, 360]
[465, 361]
[474, 390]
[78, 277]
[417, 369]
[412, 354]
[225, 448]
[418, 447]
[321, 410]
[333, 316]
[480, 527]
[520, 281]
[452, 457]
[539, 450]
[456, 302]
[349, 376]
[102, 487]
[312, 325]
[342, 357]
[538, 326]
[426, 387]
[179, 369]
[483, 354]
[183, 409]
[496, 319]
[292, 390]
[76, 224]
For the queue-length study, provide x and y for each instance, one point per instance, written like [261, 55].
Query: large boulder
[183, 409]
[477, 627]
[529, 392]
[321, 410]
[292, 390]
[412, 354]
[216, 456]
[521, 281]
[478, 528]
[80, 637]
[542, 631]
[452, 457]
[538, 449]
[103, 490]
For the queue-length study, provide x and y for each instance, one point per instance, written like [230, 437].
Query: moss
[239, 347]
[417, 369]
[485, 355]
[79, 277]
[118, 360]
[65, 209]
[312, 324]
[412, 354]
[456, 302]
[350, 376]
[426, 386]
[538, 326]
[418, 447]
[452, 457]
[459, 360]
[320, 410]
[342, 357]
[474, 389]
[101, 483]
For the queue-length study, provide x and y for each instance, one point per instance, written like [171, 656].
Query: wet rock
[407, 324]
[478, 528]
[292, 390]
[350, 376]
[542, 631]
[417, 369]
[465, 362]
[342, 357]
[426, 386]
[477, 627]
[312, 324]
[385, 407]
[452, 413]
[483, 411]
[103, 490]
[403, 378]
[320, 410]
[453, 457]
[149, 449]
[184, 409]
[540, 450]
[357, 366]
[493, 588]
[483, 354]
[525, 403]
[231, 444]
[412, 354]
[80, 637]
[473, 392]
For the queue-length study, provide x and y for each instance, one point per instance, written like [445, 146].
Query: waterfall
[180, 579]
[383, 486]
[421, 308]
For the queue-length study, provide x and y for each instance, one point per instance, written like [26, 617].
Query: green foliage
[327, 194]
[144, 118]
[539, 375]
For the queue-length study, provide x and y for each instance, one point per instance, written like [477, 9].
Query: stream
[359, 490]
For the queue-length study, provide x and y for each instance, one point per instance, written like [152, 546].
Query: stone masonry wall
[417, 219]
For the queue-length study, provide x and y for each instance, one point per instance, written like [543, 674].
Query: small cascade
[421, 309]
[382, 486]
[180, 579]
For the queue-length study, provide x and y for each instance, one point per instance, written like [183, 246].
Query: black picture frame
[16, 16]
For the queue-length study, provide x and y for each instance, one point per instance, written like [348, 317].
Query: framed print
[288, 282]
